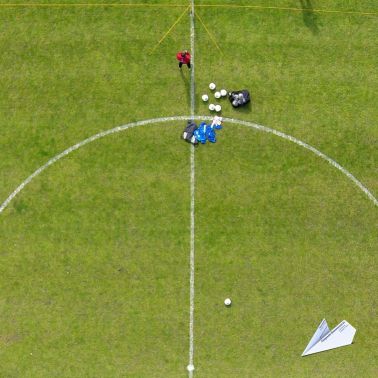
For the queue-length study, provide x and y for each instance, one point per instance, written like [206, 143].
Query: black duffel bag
[239, 98]
[188, 134]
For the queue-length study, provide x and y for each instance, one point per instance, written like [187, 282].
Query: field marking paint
[90, 5]
[192, 83]
[210, 35]
[190, 366]
[77, 146]
[141, 5]
[170, 29]
[262, 7]
[310, 148]
[184, 118]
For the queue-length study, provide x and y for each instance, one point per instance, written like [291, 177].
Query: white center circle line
[252, 125]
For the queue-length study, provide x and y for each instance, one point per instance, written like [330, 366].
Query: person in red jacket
[184, 58]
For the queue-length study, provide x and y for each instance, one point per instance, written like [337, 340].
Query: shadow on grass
[309, 17]
[185, 80]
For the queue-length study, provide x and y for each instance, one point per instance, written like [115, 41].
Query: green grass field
[94, 252]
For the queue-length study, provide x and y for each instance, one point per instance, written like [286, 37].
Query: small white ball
[212, 86]
[190, 367]
[218, 108]
[227, 302]
[223, 92]
[211, 107]
[217, 94]
[205, 97]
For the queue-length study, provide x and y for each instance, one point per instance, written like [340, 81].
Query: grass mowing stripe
[178, 118]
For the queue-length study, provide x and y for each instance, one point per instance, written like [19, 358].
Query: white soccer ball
[205, 97]
[211, 107]
[217, 94]
[223, 92]
[218, 108]
[227, 302]
[212, 86]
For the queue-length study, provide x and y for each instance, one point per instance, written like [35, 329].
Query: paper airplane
[324, 339]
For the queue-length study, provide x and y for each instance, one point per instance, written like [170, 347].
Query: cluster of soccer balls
[217, 94]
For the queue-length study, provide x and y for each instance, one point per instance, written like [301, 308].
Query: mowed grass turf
[94, 276]
[69, 73]
[95, 251]
[291, 243]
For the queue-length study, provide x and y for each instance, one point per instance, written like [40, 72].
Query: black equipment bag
[188, 134]
[239, 98]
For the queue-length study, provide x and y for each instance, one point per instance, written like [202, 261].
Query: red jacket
[183, 58]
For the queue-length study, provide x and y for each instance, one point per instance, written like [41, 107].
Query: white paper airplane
[324, 339]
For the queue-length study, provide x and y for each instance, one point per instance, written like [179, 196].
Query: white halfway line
[190, 366]
[183, 118]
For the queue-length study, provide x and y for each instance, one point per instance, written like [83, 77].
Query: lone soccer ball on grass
[227, 302]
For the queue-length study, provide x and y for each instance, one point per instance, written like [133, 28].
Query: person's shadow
[187, 85]
[309, 17]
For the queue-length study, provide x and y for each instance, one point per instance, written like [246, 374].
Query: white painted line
[192, 51]
[192, 202]
[308, 147]
[192, 253]
[184, 118]
[77, 146]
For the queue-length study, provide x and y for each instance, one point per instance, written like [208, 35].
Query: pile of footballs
[217, 95]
